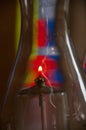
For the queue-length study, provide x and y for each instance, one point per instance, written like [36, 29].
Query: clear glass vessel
[36, 97]
[74, 73]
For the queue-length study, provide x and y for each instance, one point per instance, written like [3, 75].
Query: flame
[40, 68]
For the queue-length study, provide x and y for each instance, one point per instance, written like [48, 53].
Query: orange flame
[40, 68]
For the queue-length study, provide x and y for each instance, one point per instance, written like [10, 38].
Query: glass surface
[76, 77]
[28, 114]
[42, 111]
[44, 51]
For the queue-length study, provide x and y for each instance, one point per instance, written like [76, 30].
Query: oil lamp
[42, 102]
[38, 101]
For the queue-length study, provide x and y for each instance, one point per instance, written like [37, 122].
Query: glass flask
[73, 68]
[36, 98]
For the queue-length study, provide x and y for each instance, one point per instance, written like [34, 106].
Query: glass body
[53, 112]
[37, 48]
[28, 112]
[44, 51]
[77, 78]
[47, 56]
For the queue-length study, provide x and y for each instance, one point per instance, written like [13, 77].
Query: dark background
[7, 42]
